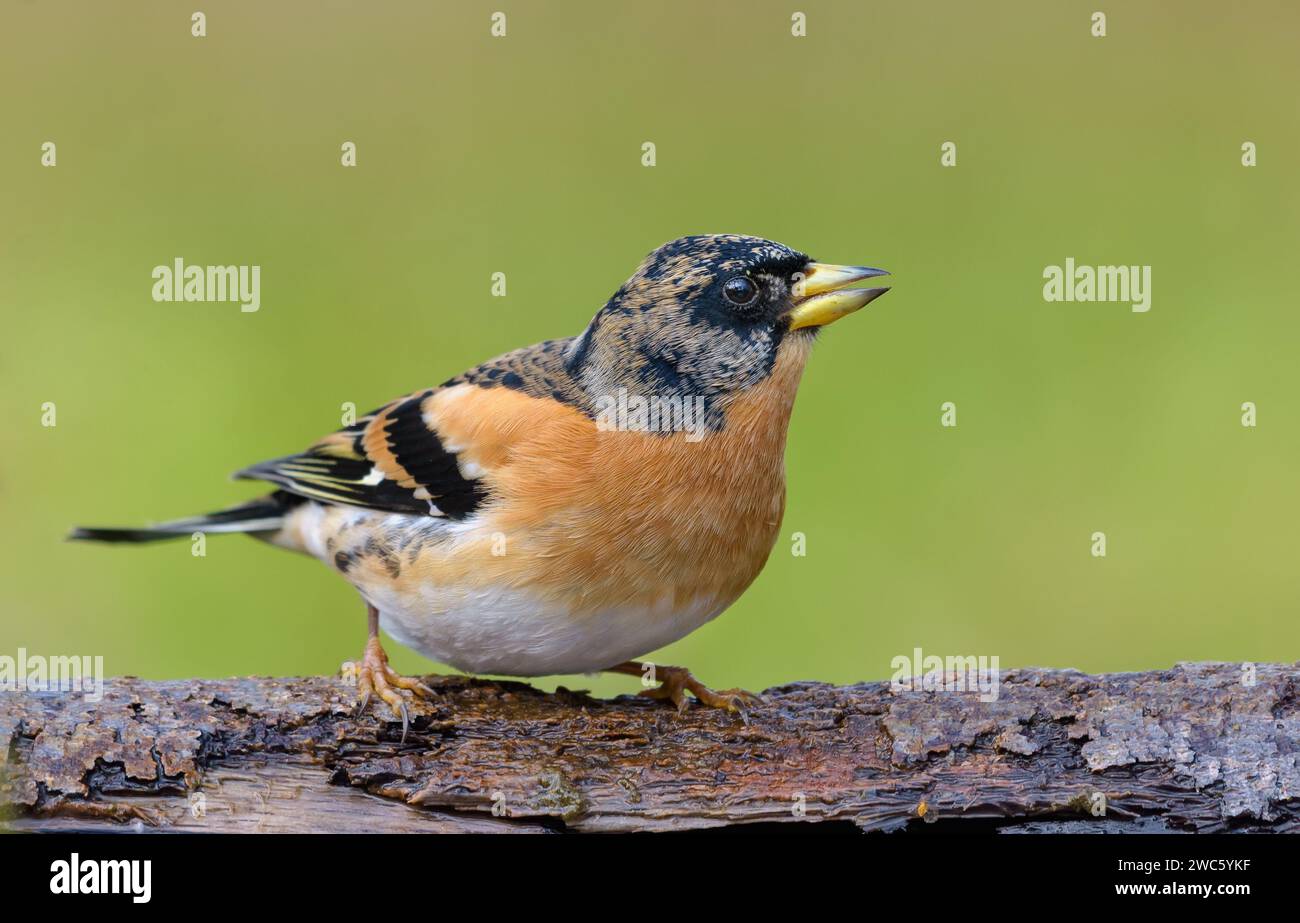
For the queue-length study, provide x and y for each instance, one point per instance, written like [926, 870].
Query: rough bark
[1197, 748]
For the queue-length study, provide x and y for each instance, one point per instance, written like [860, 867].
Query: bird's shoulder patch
[542, 370]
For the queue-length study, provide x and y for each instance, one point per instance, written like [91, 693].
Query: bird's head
[710, 315]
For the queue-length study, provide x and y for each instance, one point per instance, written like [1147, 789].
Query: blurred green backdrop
[522, 154]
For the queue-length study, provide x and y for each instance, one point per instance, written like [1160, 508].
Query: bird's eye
[740, 290]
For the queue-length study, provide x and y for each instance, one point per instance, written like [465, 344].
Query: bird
[571, 506]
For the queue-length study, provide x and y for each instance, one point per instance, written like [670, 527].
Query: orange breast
[612, 518]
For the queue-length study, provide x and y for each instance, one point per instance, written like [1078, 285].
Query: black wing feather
[338, 469]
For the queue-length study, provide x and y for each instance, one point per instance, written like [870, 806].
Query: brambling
[569, 506]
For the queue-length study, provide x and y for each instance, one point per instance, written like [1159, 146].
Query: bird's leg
[375, 676]
[675, 682]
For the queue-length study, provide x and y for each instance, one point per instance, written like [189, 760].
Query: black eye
[740, 290]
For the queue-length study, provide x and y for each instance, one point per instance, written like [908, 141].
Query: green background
[522, 155]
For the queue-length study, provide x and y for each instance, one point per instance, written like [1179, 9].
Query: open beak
[822, 296]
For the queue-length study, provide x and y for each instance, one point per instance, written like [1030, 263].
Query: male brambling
[569, 506]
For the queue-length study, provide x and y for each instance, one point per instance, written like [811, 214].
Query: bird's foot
[375, 677]
[675, 682]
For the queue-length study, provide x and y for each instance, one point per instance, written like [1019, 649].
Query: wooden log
[1202, 747]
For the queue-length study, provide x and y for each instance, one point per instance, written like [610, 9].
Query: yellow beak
[821, 296]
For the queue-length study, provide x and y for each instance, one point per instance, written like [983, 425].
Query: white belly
[518, 634]
[508, 630]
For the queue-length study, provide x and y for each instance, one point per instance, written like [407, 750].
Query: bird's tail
[265, 514]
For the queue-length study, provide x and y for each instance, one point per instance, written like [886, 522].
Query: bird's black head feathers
[701, 316]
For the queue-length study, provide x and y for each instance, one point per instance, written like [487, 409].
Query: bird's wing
[397, 458]
[390, 459]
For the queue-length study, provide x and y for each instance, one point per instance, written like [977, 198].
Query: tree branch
[1196, 748]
